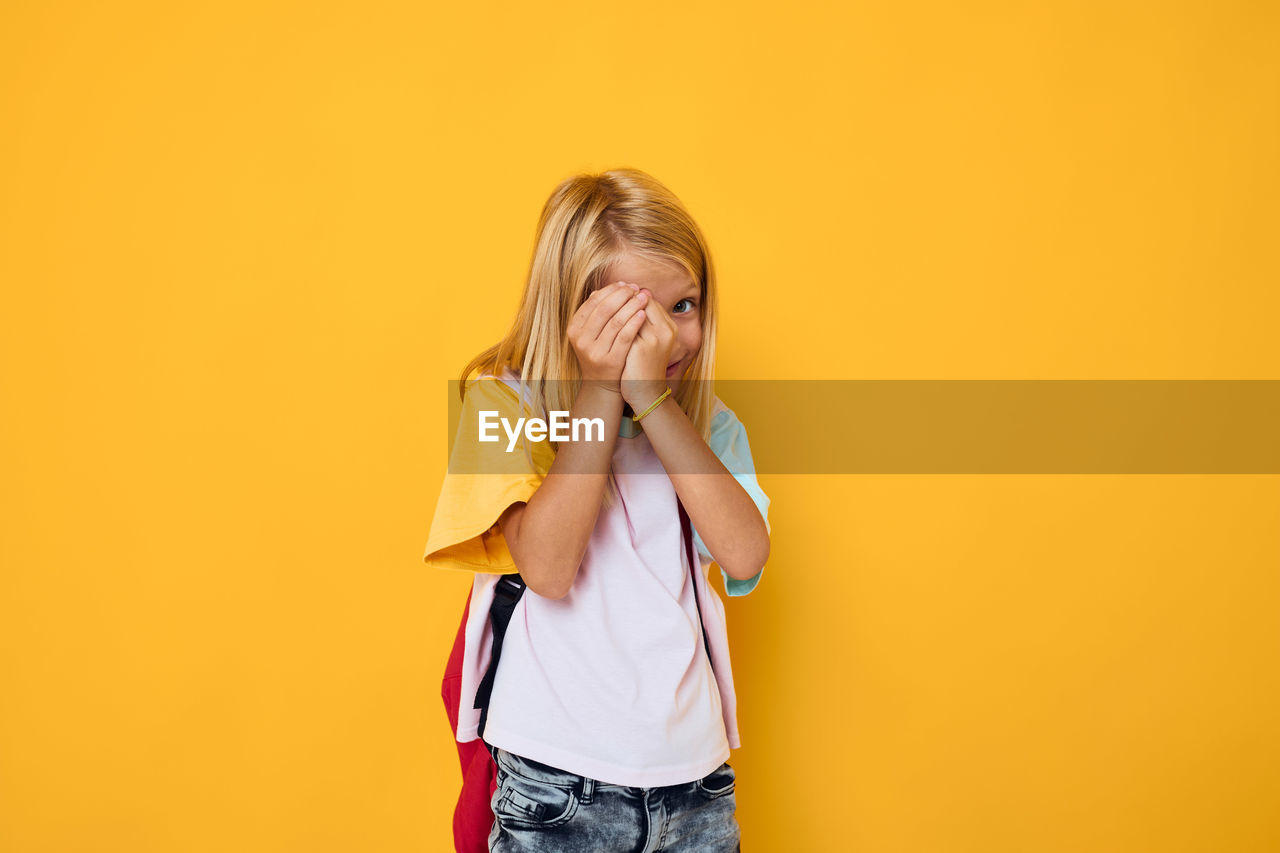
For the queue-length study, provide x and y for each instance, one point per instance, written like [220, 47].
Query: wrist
[642, 394]
[596, 386]
[599, 396]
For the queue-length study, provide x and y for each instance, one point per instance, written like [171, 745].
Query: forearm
[548, 535]
[726, 517]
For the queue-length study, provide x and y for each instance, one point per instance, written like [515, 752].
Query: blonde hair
[589, 223]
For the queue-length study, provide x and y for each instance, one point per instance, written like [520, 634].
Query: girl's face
[671, 289]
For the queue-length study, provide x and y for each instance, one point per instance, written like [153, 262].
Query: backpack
[473, 814]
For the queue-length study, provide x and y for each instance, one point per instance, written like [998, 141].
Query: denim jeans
[540, 808]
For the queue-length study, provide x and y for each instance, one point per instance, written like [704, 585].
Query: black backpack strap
[694, 565]
[506, 593]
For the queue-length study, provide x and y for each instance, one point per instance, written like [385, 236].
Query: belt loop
[588, 788]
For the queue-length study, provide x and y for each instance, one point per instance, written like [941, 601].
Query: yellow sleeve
[483, 479]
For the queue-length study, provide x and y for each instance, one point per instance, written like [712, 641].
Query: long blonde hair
[588, 223]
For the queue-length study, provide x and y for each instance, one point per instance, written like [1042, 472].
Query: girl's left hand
[644, 375]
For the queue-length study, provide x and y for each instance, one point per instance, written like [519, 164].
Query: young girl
[609, 725]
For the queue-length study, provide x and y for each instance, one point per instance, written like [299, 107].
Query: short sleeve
[483, 479]
[728, 441]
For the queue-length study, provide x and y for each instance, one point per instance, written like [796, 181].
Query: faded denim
[541, 808]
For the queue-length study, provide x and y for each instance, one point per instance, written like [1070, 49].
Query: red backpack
[473, 815]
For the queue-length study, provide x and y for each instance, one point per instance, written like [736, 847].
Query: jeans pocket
[718, 782]
[523, 802]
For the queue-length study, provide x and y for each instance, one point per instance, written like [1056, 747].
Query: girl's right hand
[602, 329]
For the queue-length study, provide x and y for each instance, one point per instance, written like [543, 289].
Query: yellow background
[243, 247]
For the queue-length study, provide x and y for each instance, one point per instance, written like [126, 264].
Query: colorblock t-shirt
[612, 681]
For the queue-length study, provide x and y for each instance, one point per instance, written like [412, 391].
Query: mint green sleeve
[728, 441]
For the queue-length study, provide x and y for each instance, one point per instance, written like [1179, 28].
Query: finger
[661, 319]
[653, 316]
[626, 313]
[648, 327]
[593, 298]
[589, 304]
[627, 335]
[596, 326]
[613, 297]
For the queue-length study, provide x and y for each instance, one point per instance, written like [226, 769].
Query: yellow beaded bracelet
[652, 405]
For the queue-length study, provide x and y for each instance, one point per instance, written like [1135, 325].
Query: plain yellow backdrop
[244, 246]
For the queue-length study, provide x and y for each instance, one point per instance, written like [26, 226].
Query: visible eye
[692, 304]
